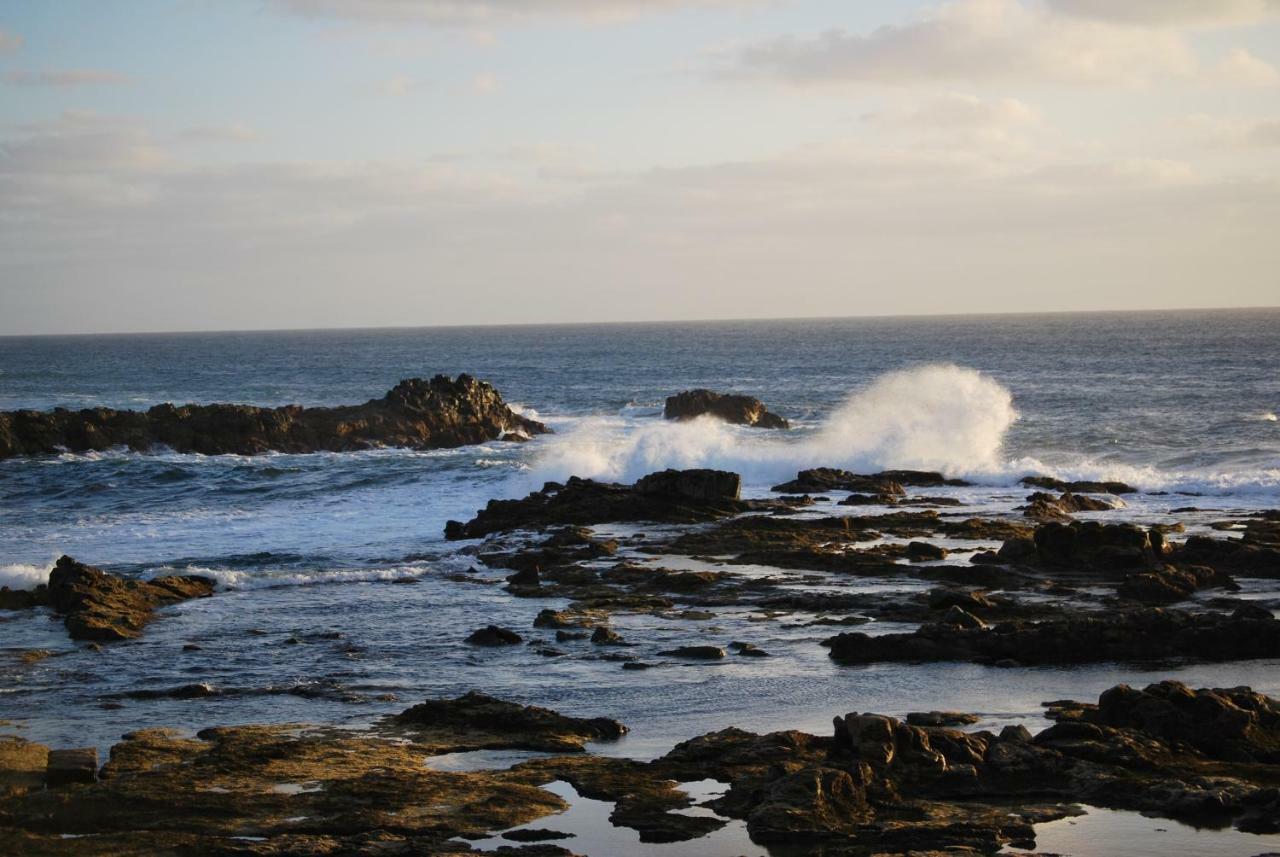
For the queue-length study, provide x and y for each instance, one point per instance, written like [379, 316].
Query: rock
[1247, 559]
[1094, 545]
[814, 803]
[101, 606]
[925, 552]
[943, 599]
[941, 718]
[821, 479]
[416, 414]
[24, 599]
[1151, 634]
[558, 619]
[1046, 507]
[672, 496]
[22, 767]
[700, 653]
[869, 500]
[736, 409]
[71, 766]
[535, 835]
[958, 617]
[1171, 584]
[603, 636]
[1083, 486]
[479, 721]
[492, 635]
[748, 650]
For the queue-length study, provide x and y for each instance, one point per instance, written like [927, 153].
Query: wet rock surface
[99, 606]
[731, 408]
[874, 784]
[416, 414]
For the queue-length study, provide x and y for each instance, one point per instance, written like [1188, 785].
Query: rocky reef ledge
[416, 414]
[103, 607]
[875, 784]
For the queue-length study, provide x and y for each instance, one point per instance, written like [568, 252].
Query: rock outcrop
[736, 409]
[479, 721]
[1152, 634]
[103, 607]
[670, 496]
[887, 482]
[415, 414]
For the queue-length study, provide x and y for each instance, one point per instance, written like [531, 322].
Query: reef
[415, 414]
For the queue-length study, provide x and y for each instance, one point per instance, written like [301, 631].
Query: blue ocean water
[306, 547]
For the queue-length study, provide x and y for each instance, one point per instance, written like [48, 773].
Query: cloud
[103, 223]
[398, 85]
[454, 13]
[484, 84]
[1244, 69]
[1263, 133]
[231, 133]
[66, 77]
[979, 40]
[1170, 12]
[9, 42]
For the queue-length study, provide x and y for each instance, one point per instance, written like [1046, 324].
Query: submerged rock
[415, 414]
[101, 606]
[736, 409]
[492, 635]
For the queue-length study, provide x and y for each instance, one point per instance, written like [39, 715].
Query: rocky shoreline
[1060, 581]
[415, 414]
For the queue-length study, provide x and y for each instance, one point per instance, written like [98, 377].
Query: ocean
[305, 547]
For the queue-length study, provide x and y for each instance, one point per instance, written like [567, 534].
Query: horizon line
[642, 322]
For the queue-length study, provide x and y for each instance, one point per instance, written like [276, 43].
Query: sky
[262, 164]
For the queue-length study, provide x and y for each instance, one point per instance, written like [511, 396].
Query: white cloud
[980, 40]
[65, 77]
[1244, 69]
[234, 132]
[489, 12]
[484, 83]
[398, 85]
[9, 42]
[1236, 132]
[1170, 12]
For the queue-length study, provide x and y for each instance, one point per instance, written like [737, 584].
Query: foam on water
[237, 580]
[20, 576]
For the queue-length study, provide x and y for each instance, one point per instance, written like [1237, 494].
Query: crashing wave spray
[937, 417]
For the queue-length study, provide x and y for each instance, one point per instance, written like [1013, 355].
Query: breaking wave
[937, 417]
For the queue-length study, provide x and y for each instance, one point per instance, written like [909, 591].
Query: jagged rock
[1046, 507]
[821, 479]
[417, 414]
[1080, 486]
[736, 409]
[814, 803]
[476, 720]
[1245, 558]
[1142, 635]
[925, 552]
[671, 496]
[492, 635]
[603, 636]
[1171, 584]
[1091, 544]
[101, 606]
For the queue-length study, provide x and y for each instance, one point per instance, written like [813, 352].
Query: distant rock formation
[415, 414]
[739, 410]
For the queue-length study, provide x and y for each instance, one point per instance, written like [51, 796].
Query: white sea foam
[230, 579]
[24, 576]
[938, 417]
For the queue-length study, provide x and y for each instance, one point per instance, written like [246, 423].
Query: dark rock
[813, 803]
[417, 414]
[941, 718]
[1143, 635]
[486, 722]
[1108, 547]
[1247, 559]
[925, 552]
[603, 636]
[701, 653]
[492, 635]
[672, 496]
[535, 835]
[101, 606]
[72, 766]
[943, 599]
[1171, 584]
[1082, 486]
[736, 409]
[821, 479]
